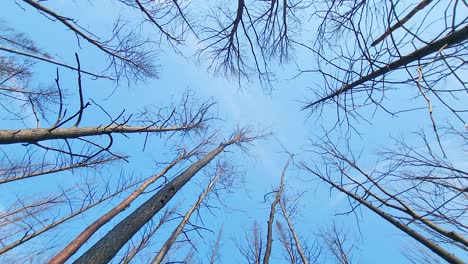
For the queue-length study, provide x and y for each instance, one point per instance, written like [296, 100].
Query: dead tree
[34, 219]
[295, 236]
[245, 39]
[215, 251]
[251, 249]
[169, 17]
[279, 193]
[84, 236]
[57, 143]
[131, 252]
[127, 55]
[415, 191]
[108, 246]
[178, 230]
[390, 48]
[338, 244]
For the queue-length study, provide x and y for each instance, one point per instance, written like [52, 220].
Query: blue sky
[278, 112]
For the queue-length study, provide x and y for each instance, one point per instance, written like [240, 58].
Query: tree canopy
[258, 131]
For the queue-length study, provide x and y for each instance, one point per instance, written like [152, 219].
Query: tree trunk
[108, 246]
[293, 232]
[76, 244]
[451, 39]
[39, 134]
[406, 229]
[167, 245]
[266, 257]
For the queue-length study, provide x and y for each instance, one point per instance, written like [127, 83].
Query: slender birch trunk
[216, 247]
[271, 219]
[293, 232]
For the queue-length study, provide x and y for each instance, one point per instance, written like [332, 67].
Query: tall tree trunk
[266, 257]
[451, 39]
[293, 232]
[39, 134]
[108, 246]
[84, 236]
[167, 215]
[167, 245]
[216, 247]
[451, 258]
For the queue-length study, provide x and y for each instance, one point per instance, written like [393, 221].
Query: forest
[248, 131]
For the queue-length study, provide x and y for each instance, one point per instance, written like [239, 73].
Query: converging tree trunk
[279, 193]
[297, 241]
[30, 235]
[108, 246]
[167, 245]
[39, 134]
[73, 246]
[451, 258]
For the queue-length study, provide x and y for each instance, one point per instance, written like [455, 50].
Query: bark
[86, 234]
[271, 219]
[108, 246]
[167, 245]
[39, 134]
[144, 241]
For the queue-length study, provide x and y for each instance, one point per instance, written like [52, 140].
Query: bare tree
[73, 246]
[338, 244]
[179, 229]
[133, 251]
[170, 18]
[215, 253]
[34, 219]
[124, 49]
[279, 193]
[297, 242]
[363, 54]
[390, 46]
[414, 190]
[245, 42]
[106, 248]
[56, 142]
[251, 249]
